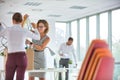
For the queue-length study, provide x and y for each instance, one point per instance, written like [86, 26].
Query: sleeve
[1, 28]
[73, 51]
[32, 35]
[3, 32]
[60, 49]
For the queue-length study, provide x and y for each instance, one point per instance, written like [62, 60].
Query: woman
[16, 37]
[39, 46]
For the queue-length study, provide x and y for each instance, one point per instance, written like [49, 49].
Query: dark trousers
[16, 62]
[64, 63]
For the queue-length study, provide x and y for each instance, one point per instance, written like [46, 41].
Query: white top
[16, 37]
[1, 28]
[66, 50]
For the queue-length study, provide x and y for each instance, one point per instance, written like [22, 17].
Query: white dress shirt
[66, 50]
[16, 37]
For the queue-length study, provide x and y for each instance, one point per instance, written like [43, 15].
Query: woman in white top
[16, 37]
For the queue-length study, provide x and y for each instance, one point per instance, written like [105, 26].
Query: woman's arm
[34, 35]
[41, 47]
[24, 20]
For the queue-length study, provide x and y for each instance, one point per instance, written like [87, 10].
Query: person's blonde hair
[45, 24]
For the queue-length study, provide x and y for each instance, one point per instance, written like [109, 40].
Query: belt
[16, 52]
[64, 58]
[38, 50]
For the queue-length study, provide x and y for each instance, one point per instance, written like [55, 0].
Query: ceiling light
[77, 7]
[60, 0]
[32, 4]
[10, 12]
[54, 15]
[37, 10]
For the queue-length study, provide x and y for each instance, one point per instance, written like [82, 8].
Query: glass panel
[116, 41]
[60, 29]
[60, 33]
[116, 34]
[117, 72]
[82, 38]
[92, 28]
[104, 26]
[74, 33]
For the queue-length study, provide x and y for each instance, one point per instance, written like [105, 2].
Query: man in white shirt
[65, 52]
[16, 37]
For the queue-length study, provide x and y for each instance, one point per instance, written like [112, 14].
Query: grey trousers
[64, 63]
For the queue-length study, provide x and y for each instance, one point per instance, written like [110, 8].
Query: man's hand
[75, 66]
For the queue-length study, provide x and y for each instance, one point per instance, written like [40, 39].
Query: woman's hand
[25, 16]
[32, 31]
[27, 42]
[24, 19]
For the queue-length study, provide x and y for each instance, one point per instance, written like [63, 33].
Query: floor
[49, 75]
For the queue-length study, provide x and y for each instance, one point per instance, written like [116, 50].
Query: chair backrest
[98, 54]
[92, 61]
[95, 44]
[105, 69]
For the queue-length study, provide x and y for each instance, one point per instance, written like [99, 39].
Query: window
[74, 33]
[116, 41]
[116, 34]
[104, 26]
[59, 35]
[58, 38]
[82, 38]
[92, 28]
[60, 29]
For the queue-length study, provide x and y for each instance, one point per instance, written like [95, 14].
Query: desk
[55, 70]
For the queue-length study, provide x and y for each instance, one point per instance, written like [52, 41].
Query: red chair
[104, 70]
[94, 60]
[94, 45]
[99, 53]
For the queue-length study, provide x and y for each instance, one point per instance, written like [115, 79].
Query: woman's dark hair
[70, 39]
[17, 17]
[45, 24]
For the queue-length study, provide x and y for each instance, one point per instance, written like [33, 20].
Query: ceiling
[58, 10]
